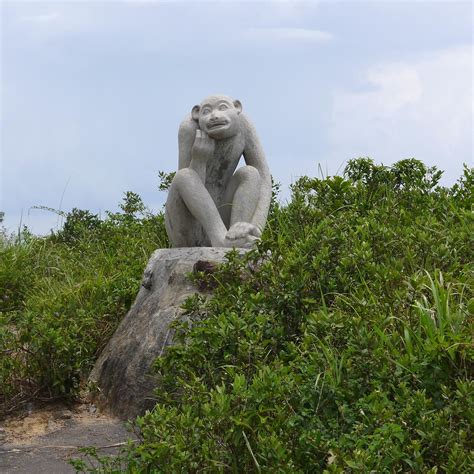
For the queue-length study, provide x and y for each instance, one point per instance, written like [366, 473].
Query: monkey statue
[209, 202]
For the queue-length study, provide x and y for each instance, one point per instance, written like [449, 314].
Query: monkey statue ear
[195, 112]
[238, 106]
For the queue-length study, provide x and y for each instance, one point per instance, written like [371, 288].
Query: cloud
[395, 86]
[420, 108]
[152, 25]
[144, 2]
[42, 18]
[288, 34]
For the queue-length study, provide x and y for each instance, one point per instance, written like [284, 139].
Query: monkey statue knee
[209, 202]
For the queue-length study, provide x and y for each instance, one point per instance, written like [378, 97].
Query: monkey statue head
[218, 116]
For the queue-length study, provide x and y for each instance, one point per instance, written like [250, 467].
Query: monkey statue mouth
[217, 124]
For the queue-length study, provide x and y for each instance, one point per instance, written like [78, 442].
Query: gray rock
[122, 371]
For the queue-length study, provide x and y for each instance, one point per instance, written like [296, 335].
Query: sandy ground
[42, 440]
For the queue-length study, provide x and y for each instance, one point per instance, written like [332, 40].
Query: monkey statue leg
[246, 195]
[240, 201]
[188, 197]
[182, 228]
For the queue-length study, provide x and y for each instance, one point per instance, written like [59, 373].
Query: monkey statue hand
[203, 147]
[243, 235]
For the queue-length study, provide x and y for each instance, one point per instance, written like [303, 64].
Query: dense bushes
[62, 296]
[343, 343]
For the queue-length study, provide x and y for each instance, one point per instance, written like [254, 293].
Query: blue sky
[93, 92]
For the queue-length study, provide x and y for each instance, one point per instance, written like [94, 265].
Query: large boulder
[122, 371]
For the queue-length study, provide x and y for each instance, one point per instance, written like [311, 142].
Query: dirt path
[44, 440]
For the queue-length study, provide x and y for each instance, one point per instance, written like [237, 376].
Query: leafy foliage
[62, 296]
[165, 180]
[343, 343]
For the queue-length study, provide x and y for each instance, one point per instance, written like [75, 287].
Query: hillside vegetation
[62, 296]
[343, 343]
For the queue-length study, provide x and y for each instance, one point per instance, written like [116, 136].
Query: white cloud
[42, 18]
[397, 85]
[143, 2]
[421, 108]
[288, 34]
[165, 25]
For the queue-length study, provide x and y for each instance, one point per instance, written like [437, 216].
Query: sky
[92, 93]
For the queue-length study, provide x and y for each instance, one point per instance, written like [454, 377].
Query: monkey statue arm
[195, 148]
[254, 156]
[202, 151]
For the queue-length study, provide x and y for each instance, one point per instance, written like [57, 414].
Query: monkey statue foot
[243, 235]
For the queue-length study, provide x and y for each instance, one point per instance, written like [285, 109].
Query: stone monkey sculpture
[209, 202]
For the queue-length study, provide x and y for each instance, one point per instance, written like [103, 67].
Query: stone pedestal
[121, 373]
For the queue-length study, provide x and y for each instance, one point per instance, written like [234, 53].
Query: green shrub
[62, 296]
[342, 344]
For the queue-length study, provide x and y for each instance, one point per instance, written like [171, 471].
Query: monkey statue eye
[206, 110]
[223, 107]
